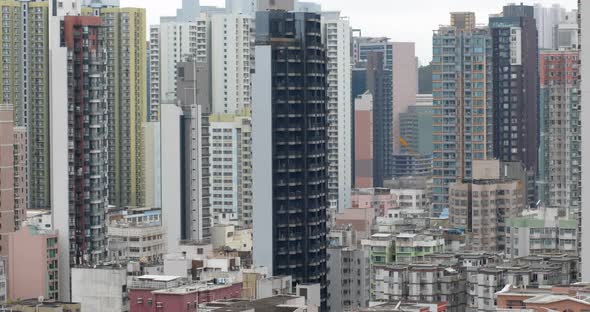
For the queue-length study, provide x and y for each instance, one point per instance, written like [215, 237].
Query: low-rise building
[533, 271]
[349, 277]
[199, 262]
[573, 298]
[286, 303]
[381, 251]
[427, 283]
[226, 235]
[33, 269]
[401, 306]
[378, 199]
[481, 206]
[312, 294]
[257, 284]
[40, 218]
[410, 247]
[33, 305]
[540, 232]
[100, 288]
[343, 235]
[138, 236]
[360, 219]
[145, 294]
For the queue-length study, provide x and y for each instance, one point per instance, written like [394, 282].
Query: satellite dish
[40, 299]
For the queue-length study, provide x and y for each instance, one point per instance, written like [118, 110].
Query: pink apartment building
[378, 199]
[363, 140]
[32, 264]
[404, 84]
[13, 196]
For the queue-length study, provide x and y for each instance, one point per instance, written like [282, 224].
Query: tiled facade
[462, 105]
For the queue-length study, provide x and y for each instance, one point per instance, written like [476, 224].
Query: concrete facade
[350, 278]
[193, 93]
[481, 207]
[138, 241]
[421, 283]
[100, 289]
[153, 170]
[171, 174]
[543, 232]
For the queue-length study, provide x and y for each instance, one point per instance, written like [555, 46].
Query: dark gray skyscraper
[379, 85]
[516, 87]
[289, 147]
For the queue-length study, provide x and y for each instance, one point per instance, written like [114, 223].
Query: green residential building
[548, 230]
[381, 248]
[411, 248]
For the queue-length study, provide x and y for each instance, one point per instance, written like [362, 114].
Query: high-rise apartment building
[515, 89]
[415, 126]
[462, 105]
[549, 20]
[176, 39]
[123, 34]
[231, 168]
[289, 147]
[232, 39]
[87, 139]
[245, 7]
[405, 75]
[171, 143]
[336, 35]
[378, 83]
[399, 58]
[194, 98]
[12, 170]
[21, 193]
[584, 24]
[154, 73]
[363, 141]
[153, 165]
[59, 139]
[559, 151]
[24, 84]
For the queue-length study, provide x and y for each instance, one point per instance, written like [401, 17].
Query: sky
[400, 20]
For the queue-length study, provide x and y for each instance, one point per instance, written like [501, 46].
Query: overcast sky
[400, 20]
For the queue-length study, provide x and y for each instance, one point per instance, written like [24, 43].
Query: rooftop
[550, 298]
[158, 278]
[276, 303]
[187, 289]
